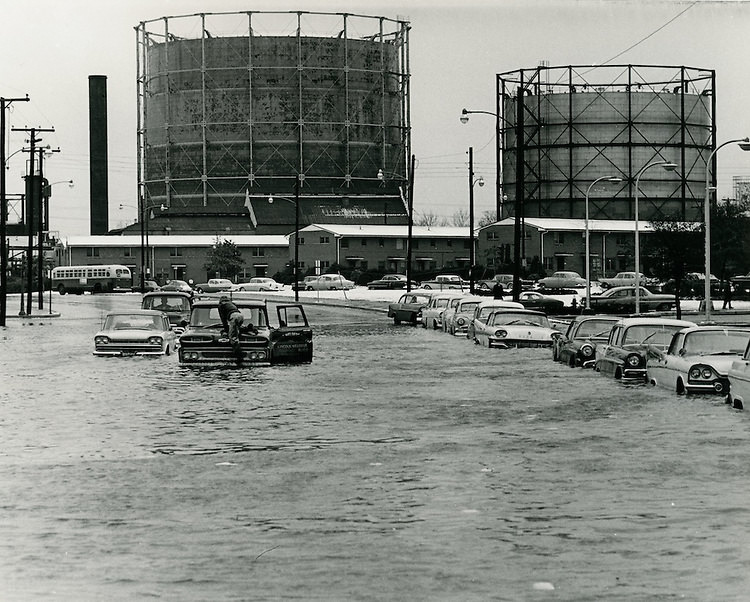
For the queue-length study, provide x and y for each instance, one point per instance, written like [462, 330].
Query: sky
[50, 47]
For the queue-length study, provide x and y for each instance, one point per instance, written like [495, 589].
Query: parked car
[258, 284]
[177, 285]
[205, 342]
[698, 359]
[432, 314]
[175, 304]
[507, 328]
[456, 318]
[148, 286]
[445, 281]
[484, 309]
[562, 280]
[693, 285]
[577, 347]
[135, 332]
[302, 284]
[329, 282]
[390, 281]
[486, 287]
[215, 285]
[739, 380]
[409, 307]
[623, 356]
[626, 279]
[621, 300]
[538, 301]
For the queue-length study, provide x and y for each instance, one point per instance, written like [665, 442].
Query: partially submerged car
[623, 356]
[135, 332]
[698, 359]
[507, 328]
[483, 310]
[432, 314]
[205, 341]
[409, 307]
[577, 347]
[739, 381]
[175, 304]
[458, 316]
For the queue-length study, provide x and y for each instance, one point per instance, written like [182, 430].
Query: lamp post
[295, 200]
[744, 144]
[472, 181]
[668, 166]
[145, 247]
[613, 179]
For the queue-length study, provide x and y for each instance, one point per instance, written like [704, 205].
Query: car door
[663, 368]
[606, 361]
[292, 340]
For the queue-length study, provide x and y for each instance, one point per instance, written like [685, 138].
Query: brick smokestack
[99, 199]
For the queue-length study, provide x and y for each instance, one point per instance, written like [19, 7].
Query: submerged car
[577, 347]
[507, 328]
[739, 380]
[205, 341]
[136, 332]
[175, 304]
[408, 308]
[483, 310]
[432, 314]
[258, 284]
[623, 356]
[698, 359]
[458, 316]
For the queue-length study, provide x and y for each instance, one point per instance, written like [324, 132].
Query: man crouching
[232, 319]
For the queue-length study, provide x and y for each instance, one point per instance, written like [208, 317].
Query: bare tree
[488, 217]
[426, 218]
[459, 218]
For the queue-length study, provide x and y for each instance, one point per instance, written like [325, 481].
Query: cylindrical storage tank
[583, 123]
[228, 119]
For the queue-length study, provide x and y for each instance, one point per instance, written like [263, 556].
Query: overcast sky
[50, 47]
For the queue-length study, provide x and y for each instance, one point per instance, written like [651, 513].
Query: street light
[472, 181]
[614, 180]
[295, 200]
[144, 219]
[668, 166]
[744, 144]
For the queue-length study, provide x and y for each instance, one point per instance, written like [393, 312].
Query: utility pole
[33, 197]
[4, 104]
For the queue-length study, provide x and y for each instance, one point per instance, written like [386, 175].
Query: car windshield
[716, 341]
[166, 303]
[653, 334]
[415, 299]
[594, 328]
[511, 318]
[208, 317]
[134, 322]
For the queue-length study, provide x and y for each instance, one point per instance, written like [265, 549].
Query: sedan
[408, 308]
[562, 280]
[215, 285]
[739, 381]
[623, 356]
[577, 347]
[621, 299]
[698, 359]
[432, 315]
[390, 281]
[258, 284]
[177, 285]
[329, 282]
[507, 328]
[137, 332]
[539, 302]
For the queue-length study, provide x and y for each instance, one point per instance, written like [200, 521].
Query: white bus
[95, 278]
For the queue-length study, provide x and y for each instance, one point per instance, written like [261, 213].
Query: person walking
[231, 320]
[727, 296]
[497, 291]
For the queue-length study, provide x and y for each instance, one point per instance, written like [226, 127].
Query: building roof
[578, 225]
[177, 240]
[367, 230]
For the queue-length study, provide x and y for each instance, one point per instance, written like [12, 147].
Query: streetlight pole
[612, 179]
[669, 166]
[472, 181]
[409, 205]
[145, 246]
[295, 200]
[744, 144]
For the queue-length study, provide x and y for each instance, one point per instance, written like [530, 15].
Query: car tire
[396, 321]
[61, 289]
[680, 388]
[435, 325]
[309, 288]
[199, 290]
[167, 351]
[427, 286]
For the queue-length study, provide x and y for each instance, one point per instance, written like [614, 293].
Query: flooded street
[402, 464]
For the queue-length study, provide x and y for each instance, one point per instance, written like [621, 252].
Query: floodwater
[402, 464]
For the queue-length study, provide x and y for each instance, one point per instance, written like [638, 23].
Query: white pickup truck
[445, 281]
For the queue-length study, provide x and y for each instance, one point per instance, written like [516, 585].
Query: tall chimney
[99, 199]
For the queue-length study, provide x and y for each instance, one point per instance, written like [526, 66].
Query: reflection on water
[401, 464]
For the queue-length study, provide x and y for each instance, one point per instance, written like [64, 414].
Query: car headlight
[695, 372]
[633, 360]
[587, 350]
[501, 334]
[155, 341]
[707, 373]
[461, 321]
[101, 340]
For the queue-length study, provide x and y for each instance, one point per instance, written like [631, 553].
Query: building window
[548, 263]
[400, 244]
[559, 237]
[302, 240]
[175, 252]
[433, 243]
[466, 244]
[324, 240]
[449, 242]
[127, 252]
[259, 252]
[364, 242]
[344, 243]
[492, 235]
[415, 243]
[381, 242]
[623, 239]
[92, 252]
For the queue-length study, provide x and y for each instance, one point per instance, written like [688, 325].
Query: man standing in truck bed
[231, 319]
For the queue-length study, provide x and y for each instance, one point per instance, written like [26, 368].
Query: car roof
[664, 321]
[214, 301]
[136, 312]
[714, 327]
[518, 310]
[499, 303]
[167, 294]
